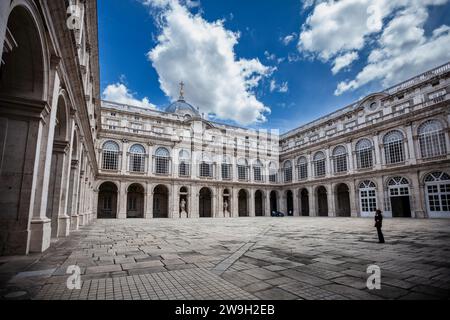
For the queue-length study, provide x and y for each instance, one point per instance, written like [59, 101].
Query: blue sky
[294, 80]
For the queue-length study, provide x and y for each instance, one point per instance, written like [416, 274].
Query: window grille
[368, 196]
[393, 147]
[162, 161]
[110, 156]
[340, 159]
[432, 139]
[137, 158]
[364, 154]
[302, 168]
[319, 164]
[287, 171]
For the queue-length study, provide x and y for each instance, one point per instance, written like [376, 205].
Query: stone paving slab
[263, 258]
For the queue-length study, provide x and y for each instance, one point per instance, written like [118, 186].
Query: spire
[181, 98]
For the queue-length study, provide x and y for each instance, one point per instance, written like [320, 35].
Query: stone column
[350, 158]
[353, 199]
[194, 203]
[267, 203]
[122, 205]
[296, 201]
[331, 197]
[312, 202]
[376, 147]
[380, 193]
[417, 197]
[73, 194]
[148, 213]
[251, 207]
[175, 202]
[410, 145]
[234, 203]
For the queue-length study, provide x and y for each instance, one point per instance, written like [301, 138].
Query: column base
[122, 216]
[40, 235]
[74, 222]
[63, 226]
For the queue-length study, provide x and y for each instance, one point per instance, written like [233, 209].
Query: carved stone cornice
[60, 146]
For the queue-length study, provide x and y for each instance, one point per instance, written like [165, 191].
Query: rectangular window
[242, 173]
[288, 174]
[184, 169]
[273, 178]
[303, 171]
[340, 163]
[205, 170]
[137, 162]
[110, 160]
[364, 159]
[226, 171]
[319, 168]
[162, 165]
[394, 152]
[257, 175]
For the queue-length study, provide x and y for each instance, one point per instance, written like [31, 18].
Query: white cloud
[344, 61]
[335, 31]
[119, 93]
[201, 54]
[289, 38]
[281, 88]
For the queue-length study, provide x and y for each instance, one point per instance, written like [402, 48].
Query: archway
[135, 201]
[399, 197]
[23, 75]
[59, 167]
[259, 204]
[243, 203]
[304, 202]
[160, 202]
[342, 200]
[273, 201]
[322, 201]
[289, 203]
[205, 203]
[107, 201]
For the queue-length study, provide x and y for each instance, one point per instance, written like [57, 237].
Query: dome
[183, 108]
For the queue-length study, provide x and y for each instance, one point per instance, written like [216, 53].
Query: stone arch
[259, 203]
[205, 202]
[289, 203]
[322, 201]
[25, 72]
[243, 206]
[304, 202]
[161, 201]
[107, 200]
[273, 201]
[342, 199]
[135, 200]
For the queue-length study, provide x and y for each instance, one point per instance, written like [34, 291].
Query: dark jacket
[378, 220]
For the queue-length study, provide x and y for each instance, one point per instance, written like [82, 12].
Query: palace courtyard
[240, 258]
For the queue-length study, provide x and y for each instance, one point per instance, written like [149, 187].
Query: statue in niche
[225, 208]
[183, 208]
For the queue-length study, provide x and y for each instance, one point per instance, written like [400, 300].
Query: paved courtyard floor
[241, 258]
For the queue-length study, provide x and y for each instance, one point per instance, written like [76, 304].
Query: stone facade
[389, 150]
[49, 98]
[67, 158]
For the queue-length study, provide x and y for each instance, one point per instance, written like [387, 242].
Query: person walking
[378, 225]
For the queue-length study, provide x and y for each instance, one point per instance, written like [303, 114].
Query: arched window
[273, 172]
[367, 197]
[110, 152]
[432, 139]
[206, 167]
[437, 186]
[242, 167]
[137, 158]
[340, 159]
[162, 161]
[226, 168]
[319, 164]
[393, 147]
[184, 165]
[257, 171]
[287, 170]
[302, 168]
[364, 154]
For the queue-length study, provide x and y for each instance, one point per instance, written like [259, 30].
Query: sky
[270, 64]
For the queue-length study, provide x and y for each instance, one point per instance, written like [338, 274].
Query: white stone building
[390, 151]
[49, 99]
[67, 158]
